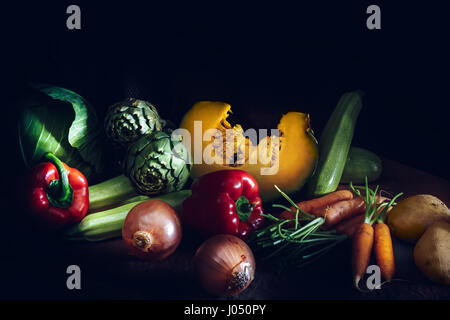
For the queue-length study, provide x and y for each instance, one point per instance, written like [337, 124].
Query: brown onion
[224, 265]
[152, 230]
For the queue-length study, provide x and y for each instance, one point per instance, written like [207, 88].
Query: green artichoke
[128, 120]
[157, 163]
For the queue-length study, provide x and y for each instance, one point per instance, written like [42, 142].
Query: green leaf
[60, 121]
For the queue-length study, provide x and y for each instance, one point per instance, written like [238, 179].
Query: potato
[410, 218]
[432, 253]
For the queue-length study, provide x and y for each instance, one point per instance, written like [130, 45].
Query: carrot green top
[370, 200]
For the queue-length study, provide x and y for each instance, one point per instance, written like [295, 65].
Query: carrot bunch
[340, 210]
[360, 217]
[367, 236]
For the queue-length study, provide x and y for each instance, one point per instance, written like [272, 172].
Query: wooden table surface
[36, 268]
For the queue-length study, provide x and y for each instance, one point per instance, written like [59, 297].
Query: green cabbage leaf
[58, 120]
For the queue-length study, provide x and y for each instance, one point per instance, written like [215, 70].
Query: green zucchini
[334, 144]
[108, 224]
[110, 192]
[361, 163]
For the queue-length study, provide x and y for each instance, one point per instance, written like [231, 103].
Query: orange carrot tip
[361, 250]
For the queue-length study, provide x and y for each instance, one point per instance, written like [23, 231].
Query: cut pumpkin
[286, 159]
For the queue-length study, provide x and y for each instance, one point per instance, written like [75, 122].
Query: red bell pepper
[224, 202]
[58, 194]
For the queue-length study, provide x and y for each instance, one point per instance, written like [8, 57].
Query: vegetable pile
[228, 204]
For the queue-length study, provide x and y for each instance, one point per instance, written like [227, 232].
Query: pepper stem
[59, 191]
[243, 208]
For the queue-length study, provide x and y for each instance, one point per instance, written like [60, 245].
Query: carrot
[363, 239]
[384, 251]
[342, 210]
[361, 250]
[310, 205]
[349, 226]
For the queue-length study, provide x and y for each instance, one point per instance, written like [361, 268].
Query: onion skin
[152, 230]
[224, 265]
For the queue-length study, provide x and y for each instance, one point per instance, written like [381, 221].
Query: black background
[263, 59]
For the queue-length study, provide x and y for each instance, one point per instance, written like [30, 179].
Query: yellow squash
[286, 161]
